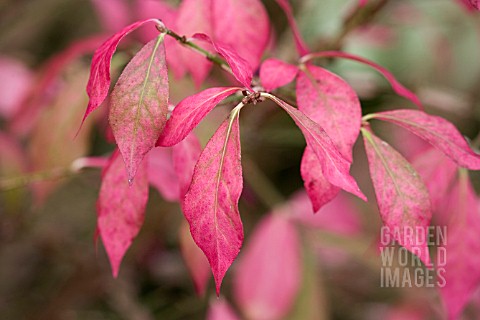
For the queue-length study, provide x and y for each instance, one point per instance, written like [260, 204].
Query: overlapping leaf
[120, 208]
[185, 155]
[335, 167]
[461, 273]
[99, 81]
[269, 273]
[211, 203]
[242, 25]
[139, 104]
[402, 197]
[400, 89]
[437, 131]
[189, 112]
[275, 73]
[241, 69]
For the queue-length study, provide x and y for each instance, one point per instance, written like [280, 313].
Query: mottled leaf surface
[437, 131]
[275, 73]
[99, 81]
[402, 197]
[120, 208]
[189, 112]
[462, 275]
[211, 203]
[330, 101]
[335, 166]
[319, 190]
[139, 104]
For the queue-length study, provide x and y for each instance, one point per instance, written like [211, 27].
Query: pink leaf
[46, 86]
[437, 131]
[460, 263]
[397, 86]
[302, 48]
[329, 101]
[189, 112]
[195, 260]
[333, 104]
[275, 73]
[139, 104]
[438, 173]
[475, 4]
[145, 9]
[269, 273]
[221, 310]
[99, 82]
[162, 175]
[241, 69]
[339, 216]
[120, 209]
[185, 155]
[335, 166]
[243, 25]
[15, 82]
[113, 14]
[211, 203]
[195, 16]
[402, 197]
[317, 186]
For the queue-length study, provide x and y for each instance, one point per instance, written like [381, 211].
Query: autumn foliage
[227, 49]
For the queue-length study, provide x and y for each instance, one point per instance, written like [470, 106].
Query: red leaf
[402, 197]
[99, 81]
[139, 104]
[335, 166]
[120, 209]
[362, 3]
[269, 273]
[195, 260]
[397, 86]
[185, 155]
[329, 101]
[241, 69]
[437, 131]
[189, 112]
[221, 310]
[275, 73]
[243, 25]
[302, 48]
[211, 203]
[461, 272]
[195, 16]
[438, 173]
[319, 190]
[162, 175]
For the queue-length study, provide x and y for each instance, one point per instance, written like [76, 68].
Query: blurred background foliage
[50, 267]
